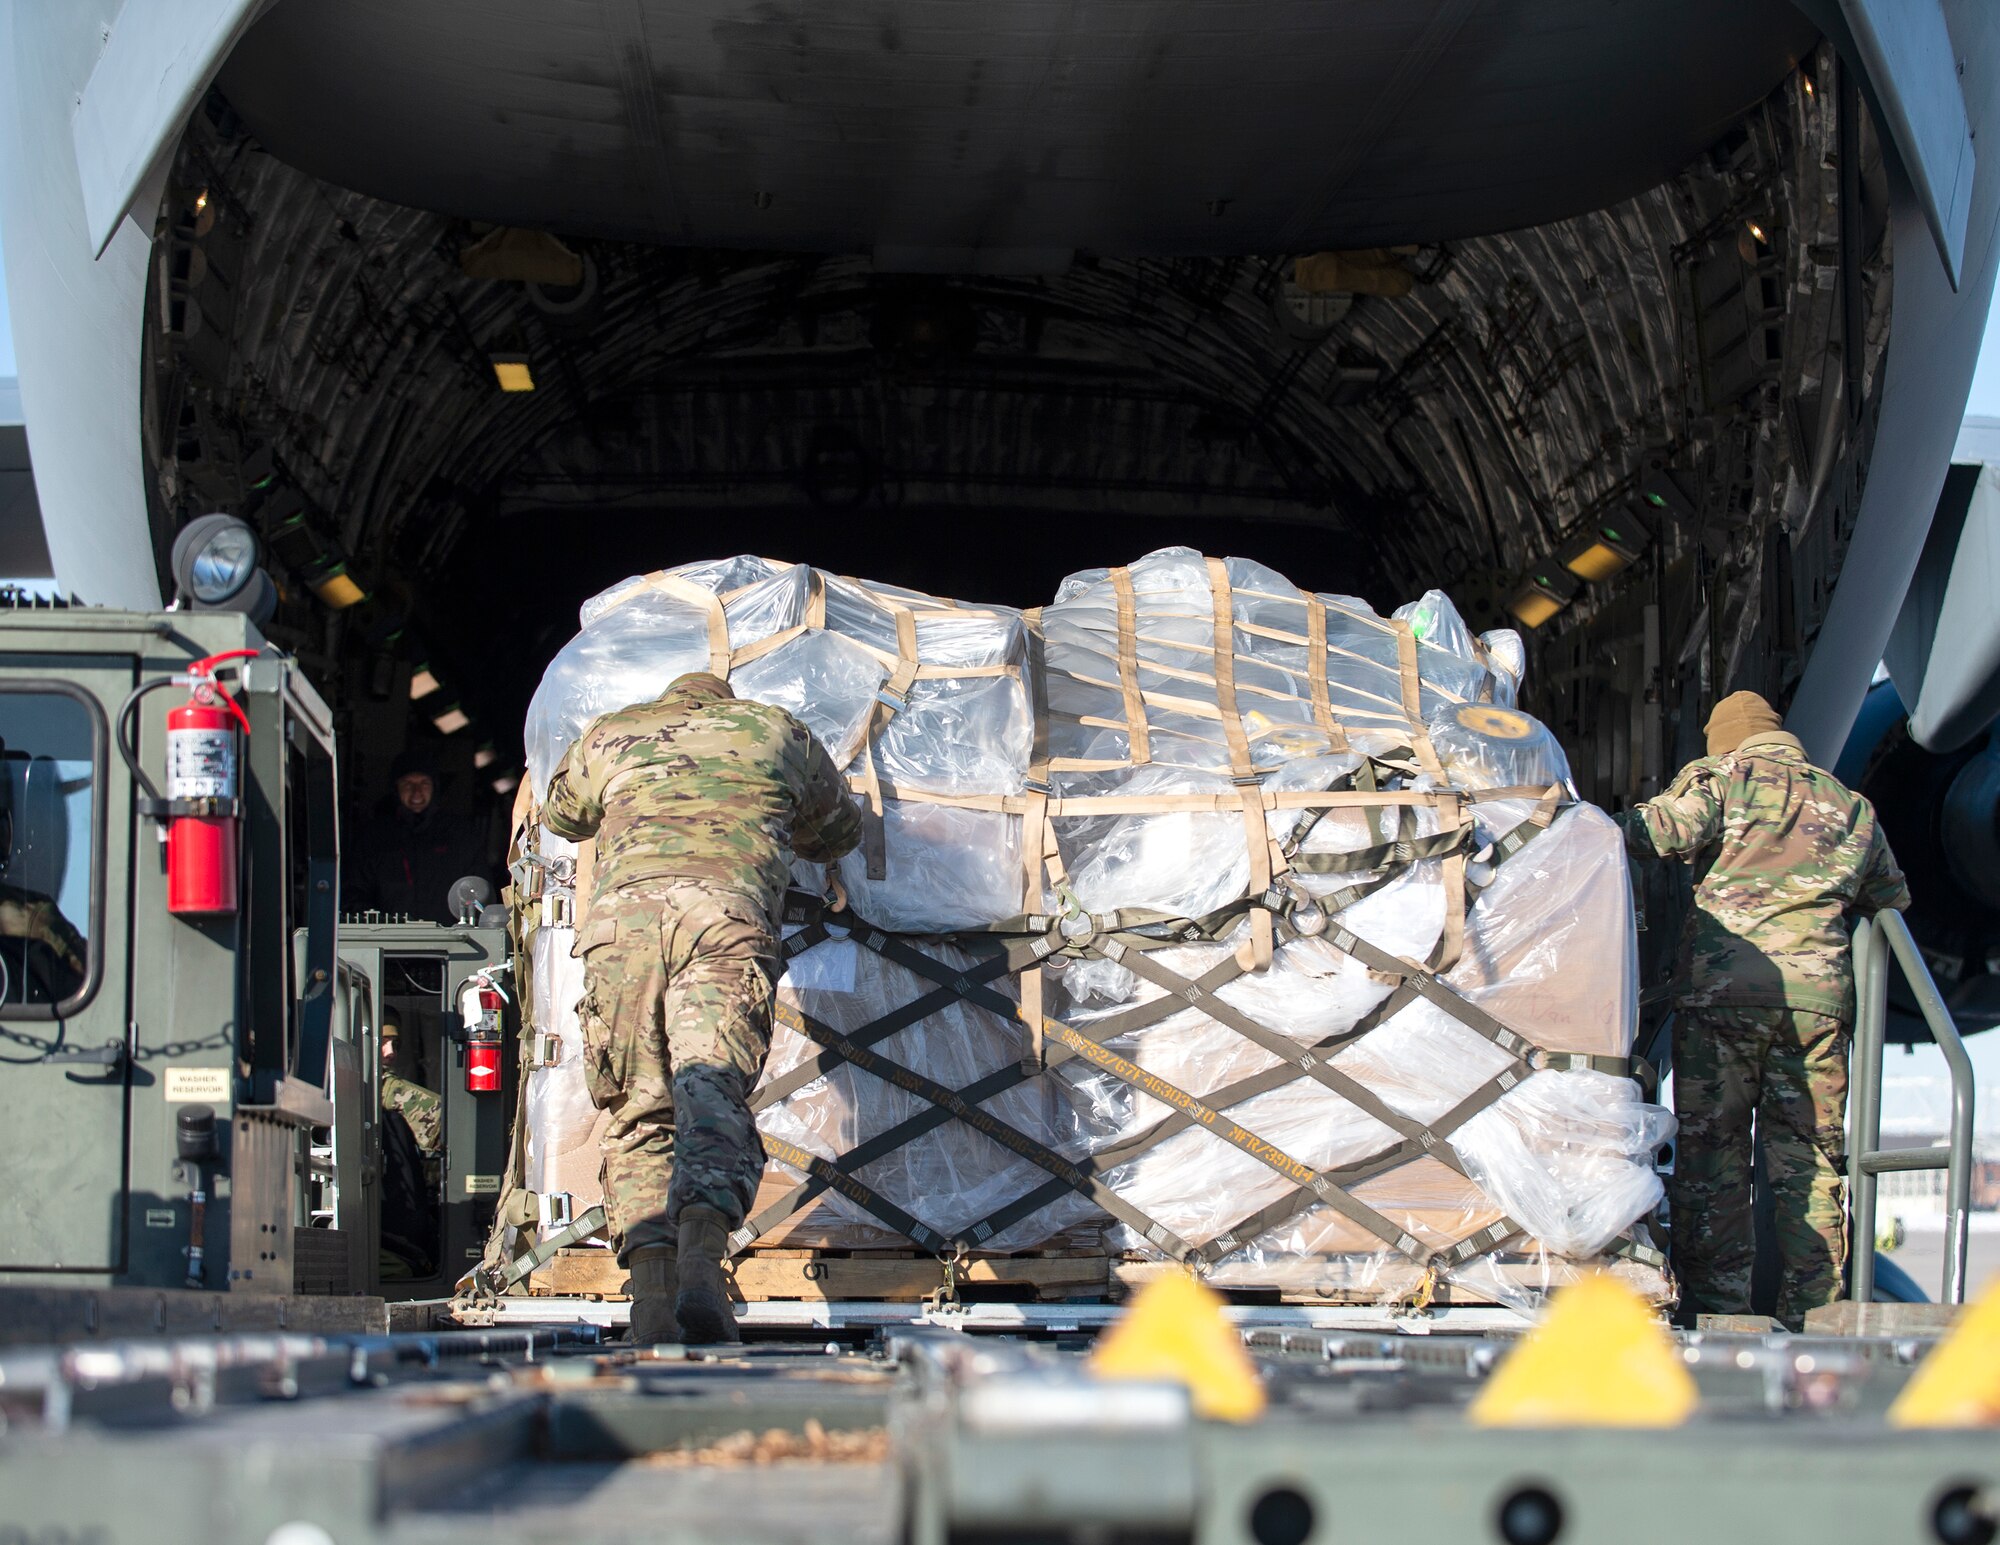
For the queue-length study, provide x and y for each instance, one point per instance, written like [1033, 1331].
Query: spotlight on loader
[214, 560]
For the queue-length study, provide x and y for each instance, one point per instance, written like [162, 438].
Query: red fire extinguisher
[480, 1002]
[203, 792]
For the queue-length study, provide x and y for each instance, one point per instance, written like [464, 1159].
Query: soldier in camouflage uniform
[411, 1148]
[1766, 1001]
[406, 1097]
[695, 800]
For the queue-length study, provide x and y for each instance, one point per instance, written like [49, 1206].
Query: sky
[7, 367]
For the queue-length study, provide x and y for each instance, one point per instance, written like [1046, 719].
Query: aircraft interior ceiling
[1674, 368]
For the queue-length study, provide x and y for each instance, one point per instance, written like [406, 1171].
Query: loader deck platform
[889, 1422]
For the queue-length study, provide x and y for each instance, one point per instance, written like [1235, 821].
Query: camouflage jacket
[418, 1106]
[32, 916]
[1789, 852]
[699, 785]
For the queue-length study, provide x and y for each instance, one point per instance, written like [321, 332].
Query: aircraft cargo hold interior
[1634, 431]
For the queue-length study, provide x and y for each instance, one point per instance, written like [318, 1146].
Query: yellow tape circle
[1495, 723]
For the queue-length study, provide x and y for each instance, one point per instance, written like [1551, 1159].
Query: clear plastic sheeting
[1236, 821]
[824, 681]
[943, 868]
[1485, 747]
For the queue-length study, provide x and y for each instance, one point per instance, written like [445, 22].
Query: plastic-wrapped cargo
[1198, 918]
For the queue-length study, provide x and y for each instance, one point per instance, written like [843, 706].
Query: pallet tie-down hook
[945, 1296]
[1418, 1303]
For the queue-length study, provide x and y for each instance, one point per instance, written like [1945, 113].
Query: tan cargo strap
[1138, 734]
[1413, 702]
[1316, 673]
[710, 605]
[1040, 852]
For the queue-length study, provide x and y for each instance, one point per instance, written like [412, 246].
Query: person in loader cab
[1765, 1004]
[408, 858]
[43, 959]
[697, 801]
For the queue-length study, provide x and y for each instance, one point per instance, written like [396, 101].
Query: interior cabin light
[506, 783]
[485, 756]
[450, 721]
[1659, 490]
[512, 372]
[1757, 231]
[1606, 546]
[1545, 591]
[423, 682]
[337, 588]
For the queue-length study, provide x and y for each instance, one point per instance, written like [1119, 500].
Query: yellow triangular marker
[1958, 1385]
[1176, 1332]
[1598, 1359]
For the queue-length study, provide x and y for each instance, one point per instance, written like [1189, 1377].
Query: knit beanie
[1737, 718]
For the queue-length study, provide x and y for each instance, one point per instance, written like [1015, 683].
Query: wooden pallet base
[895, 1276]
[821, 1276]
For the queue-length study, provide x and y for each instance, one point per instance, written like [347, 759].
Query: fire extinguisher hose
[128, 739]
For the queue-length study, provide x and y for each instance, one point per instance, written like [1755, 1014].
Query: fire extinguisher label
[201, 764]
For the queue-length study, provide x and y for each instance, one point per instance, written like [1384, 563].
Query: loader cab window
[51, 762]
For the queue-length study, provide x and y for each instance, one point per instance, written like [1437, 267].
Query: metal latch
[110, 1056]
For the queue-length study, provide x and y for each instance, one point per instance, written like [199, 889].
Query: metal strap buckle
[554, 1208]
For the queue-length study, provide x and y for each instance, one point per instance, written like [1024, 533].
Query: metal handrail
[1876, 941]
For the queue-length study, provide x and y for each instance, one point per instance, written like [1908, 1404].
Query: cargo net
[1196, 918]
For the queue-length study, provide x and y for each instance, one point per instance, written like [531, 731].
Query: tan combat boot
[656, 1275]
[704, 1302]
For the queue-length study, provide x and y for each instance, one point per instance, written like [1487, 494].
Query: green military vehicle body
[262, 1017]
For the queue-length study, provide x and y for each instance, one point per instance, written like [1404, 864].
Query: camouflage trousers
[1787, 1068]
[676, 1019]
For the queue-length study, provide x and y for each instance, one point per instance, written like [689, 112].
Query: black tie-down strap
[1329, 1187]
[1124, 937]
